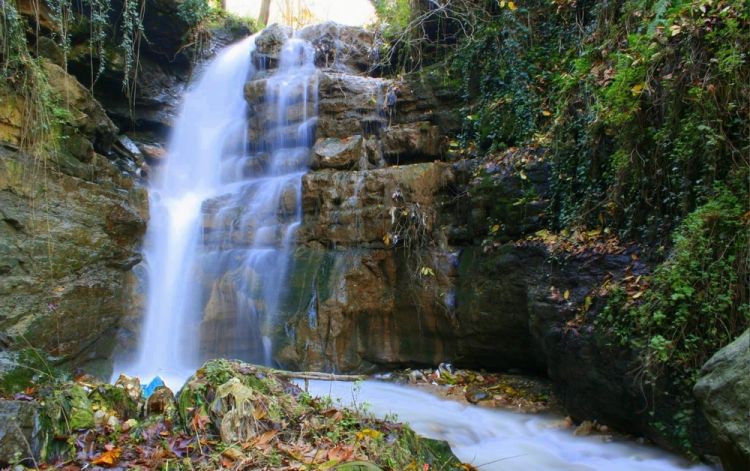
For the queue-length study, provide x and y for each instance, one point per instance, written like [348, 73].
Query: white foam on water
[499, 440]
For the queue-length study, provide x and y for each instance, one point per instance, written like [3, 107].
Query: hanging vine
[61, 12]
[21, 71]
[132, 34]
[98, 30]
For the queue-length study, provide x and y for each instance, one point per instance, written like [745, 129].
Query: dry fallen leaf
[108, 458]
[340, 453]
[265, 437]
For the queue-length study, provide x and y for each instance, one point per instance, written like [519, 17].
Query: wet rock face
[338, 153]
[724, 393]
[89, 117]
[356, 105]
[359, 208]
[352, 103]
[68, 232]
[69, 227]
[379, 278]
[85, 124]
[268, 46]
[358, 313]
[357, 303]
[64, 255]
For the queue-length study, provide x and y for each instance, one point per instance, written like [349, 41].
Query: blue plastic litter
[151, 387]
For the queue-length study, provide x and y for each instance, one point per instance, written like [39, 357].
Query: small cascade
[257, 222]
[312, 310]
[224, 210]
[353, 203]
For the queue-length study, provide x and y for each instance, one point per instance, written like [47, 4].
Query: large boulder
[338, 153]
[341, 47]
[724, 394]
[413, 141]
[268, 46]
[78, 116]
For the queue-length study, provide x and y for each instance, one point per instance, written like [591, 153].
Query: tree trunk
[265, 11]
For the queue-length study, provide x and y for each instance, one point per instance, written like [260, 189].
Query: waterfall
[224, 208]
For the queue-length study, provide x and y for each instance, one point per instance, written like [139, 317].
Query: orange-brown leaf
[265, 437]
[108, 458]
[340, 453]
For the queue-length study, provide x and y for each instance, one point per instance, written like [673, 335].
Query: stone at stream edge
[724, 393]
[39, 428]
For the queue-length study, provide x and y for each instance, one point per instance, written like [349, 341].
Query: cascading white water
[494, 440]
[214, 293]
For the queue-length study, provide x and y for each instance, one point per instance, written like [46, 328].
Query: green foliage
[698, 300]
[132, 33]
[508, 91]
[62, 12]
[194, 12]
[202, 17]
[218, 371]
[99, 27]
[697, 303]
[13, 51]
[394, 14]
[235, 24]
[23, 77]
[651, 113]
[642, 102]
[643, 105]
[414, 34]
[25, 368]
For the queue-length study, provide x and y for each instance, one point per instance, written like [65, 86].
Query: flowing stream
[499, 440]
[224, 209]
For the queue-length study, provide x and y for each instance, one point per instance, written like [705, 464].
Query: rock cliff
[70, 222]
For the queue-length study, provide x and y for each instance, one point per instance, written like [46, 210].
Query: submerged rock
[724, 393]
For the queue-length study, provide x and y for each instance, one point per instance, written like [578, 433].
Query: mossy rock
[115, 399]
[200, 391]
[239, 401]
[24, 368]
